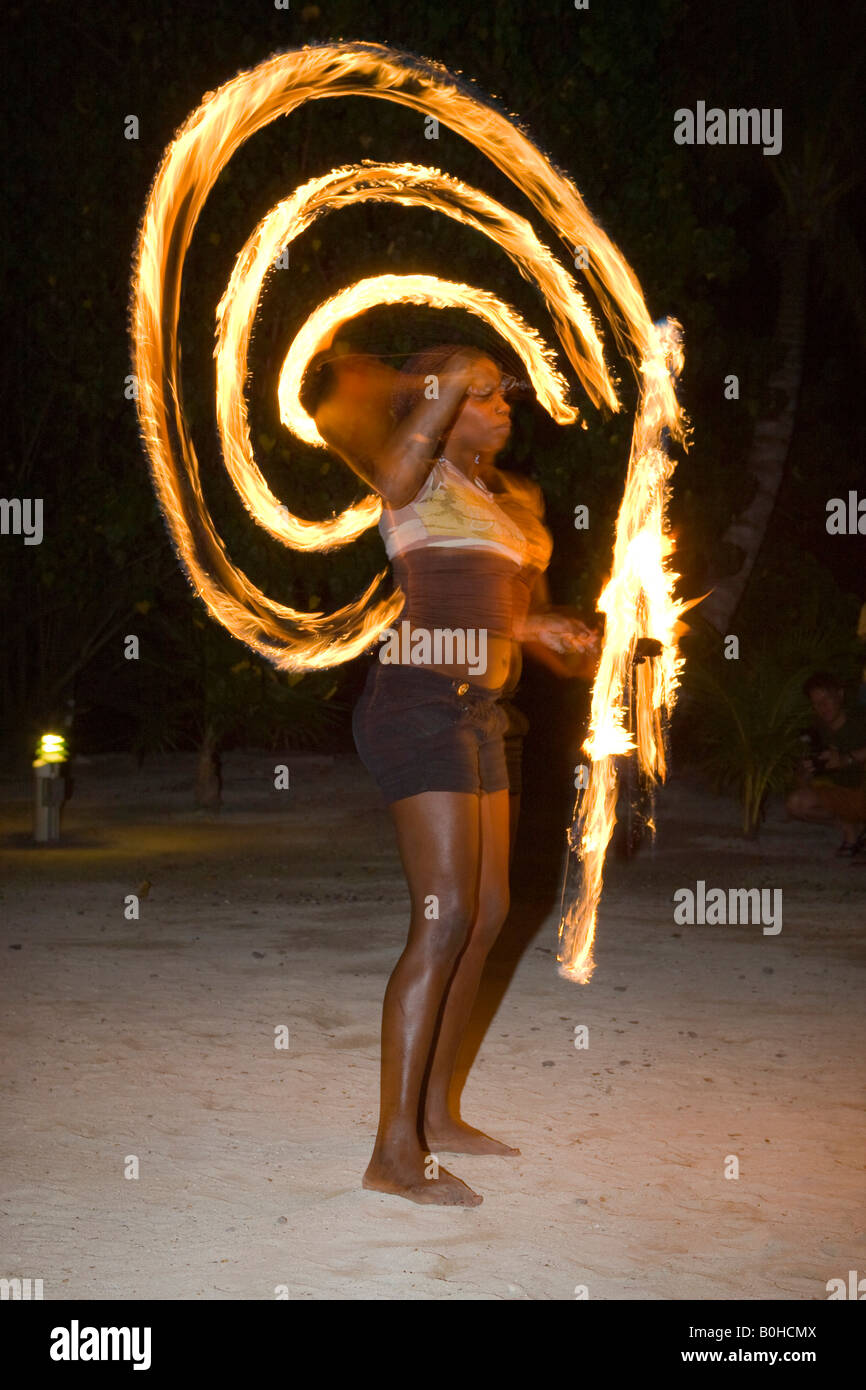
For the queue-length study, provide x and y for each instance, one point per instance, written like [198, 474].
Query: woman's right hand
[464, 364]
[460, 371]
[560, 631]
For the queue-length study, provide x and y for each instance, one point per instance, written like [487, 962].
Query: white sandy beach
[155, 1038]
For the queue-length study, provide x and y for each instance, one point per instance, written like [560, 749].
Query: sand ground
[155, 1038]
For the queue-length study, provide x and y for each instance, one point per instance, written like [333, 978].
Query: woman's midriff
[502, 664]
[462, 610]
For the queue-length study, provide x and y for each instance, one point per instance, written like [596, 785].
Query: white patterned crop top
[466, 556]
[452, 510]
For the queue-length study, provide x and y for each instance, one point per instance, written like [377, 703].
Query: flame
[638, 597]
[637, 601]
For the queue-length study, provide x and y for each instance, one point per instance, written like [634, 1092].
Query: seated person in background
[832, 783]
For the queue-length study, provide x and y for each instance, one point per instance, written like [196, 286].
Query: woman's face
[483, 422]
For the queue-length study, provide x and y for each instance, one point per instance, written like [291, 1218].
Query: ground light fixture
[49, 787]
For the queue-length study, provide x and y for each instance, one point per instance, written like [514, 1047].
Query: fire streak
[638, 599]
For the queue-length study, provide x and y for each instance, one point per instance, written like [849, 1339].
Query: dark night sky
[597, 89]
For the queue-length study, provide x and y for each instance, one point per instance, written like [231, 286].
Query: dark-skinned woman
[469, 548]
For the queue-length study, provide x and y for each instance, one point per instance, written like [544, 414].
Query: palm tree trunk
[772, 437]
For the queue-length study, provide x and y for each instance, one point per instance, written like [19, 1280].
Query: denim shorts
[417, 730]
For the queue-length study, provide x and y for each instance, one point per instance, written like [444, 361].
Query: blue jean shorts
[417, 730]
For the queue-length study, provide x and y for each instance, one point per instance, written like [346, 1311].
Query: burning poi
[638, 598]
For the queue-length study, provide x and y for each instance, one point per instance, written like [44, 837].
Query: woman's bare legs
[438, 835]
[443, 1127]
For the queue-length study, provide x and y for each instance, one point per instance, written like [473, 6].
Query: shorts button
[463, 688]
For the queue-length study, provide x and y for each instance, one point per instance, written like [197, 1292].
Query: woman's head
[482, 421]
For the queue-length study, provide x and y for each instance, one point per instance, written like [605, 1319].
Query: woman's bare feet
[457, 1137]
[422, 1180]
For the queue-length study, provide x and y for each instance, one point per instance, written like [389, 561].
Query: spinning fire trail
[638, 599]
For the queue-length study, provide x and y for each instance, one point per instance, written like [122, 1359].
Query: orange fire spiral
[638, 596]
